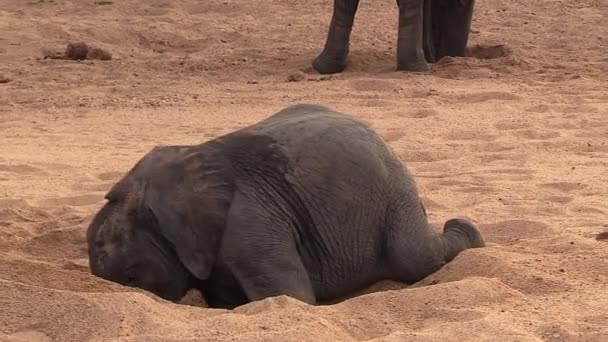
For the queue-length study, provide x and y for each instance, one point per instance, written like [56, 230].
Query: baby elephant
[309, 203]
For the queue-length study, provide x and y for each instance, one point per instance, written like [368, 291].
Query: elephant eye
[130, 280]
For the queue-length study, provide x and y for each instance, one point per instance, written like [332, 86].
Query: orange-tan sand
[518, 143]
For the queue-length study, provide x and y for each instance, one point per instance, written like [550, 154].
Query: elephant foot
[326, 64]
[421, 66]
[465, 231]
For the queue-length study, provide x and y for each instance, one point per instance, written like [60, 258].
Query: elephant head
[161, 227]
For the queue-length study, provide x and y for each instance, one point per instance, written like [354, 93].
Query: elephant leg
[416, 251]
[410, 54]
[458, 235]
[447, 27]
[333, 57]
[261, 254]
[427, 32]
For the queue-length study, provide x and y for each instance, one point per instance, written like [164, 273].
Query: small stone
[602, 236]
[77, 51]
[98, 53]
[4, 79]
[296, 77]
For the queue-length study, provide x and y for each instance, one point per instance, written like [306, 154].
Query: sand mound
[514, 136]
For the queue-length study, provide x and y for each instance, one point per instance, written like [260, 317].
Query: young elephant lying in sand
[309, 203]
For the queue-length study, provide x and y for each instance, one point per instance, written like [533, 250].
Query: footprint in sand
[209, 135]
[157, 10]
[57, 167]
[579, 108]
[538, 109]
[480, 51]
[23, 169]
[477, 189]
[373, 85]
[75, 201]
[517, 158]
[517, 274]
[530, 134]
[418, 155]
[28, 335]
[511, 171]
[562, 125]
[462, 186]
[511, 125]
[487, 96]
[423, 113]
[94, 186]
[471, 135]
[511, 231]
[587, 210]
[495, 146]
[376, 103]
[12, 203]
[44, 246]
[560, 199]
[393, 135]
[564, 186]
[112, 175]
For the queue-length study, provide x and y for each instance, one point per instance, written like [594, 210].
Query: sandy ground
[518, 143]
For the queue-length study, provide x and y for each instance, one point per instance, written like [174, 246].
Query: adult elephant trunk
[447, 25]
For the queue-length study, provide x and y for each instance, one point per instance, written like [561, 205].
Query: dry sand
[518, 143]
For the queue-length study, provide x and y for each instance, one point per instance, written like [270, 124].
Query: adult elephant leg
[415, 250]
[333, 57]
[410, 55]
[261, 254]
[447, 27]
[427, 32]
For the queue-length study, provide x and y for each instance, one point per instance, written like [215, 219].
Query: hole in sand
[481, 51]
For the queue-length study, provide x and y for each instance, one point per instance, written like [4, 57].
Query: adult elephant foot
[447, 25]
[459, 235]
[418, 66]
[333, 58]
[328, 63]
[410, 53]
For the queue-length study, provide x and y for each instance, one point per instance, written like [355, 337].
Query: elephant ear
[190, 212]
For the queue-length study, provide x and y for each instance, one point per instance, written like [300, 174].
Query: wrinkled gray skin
[428, 31]
[309, 203]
